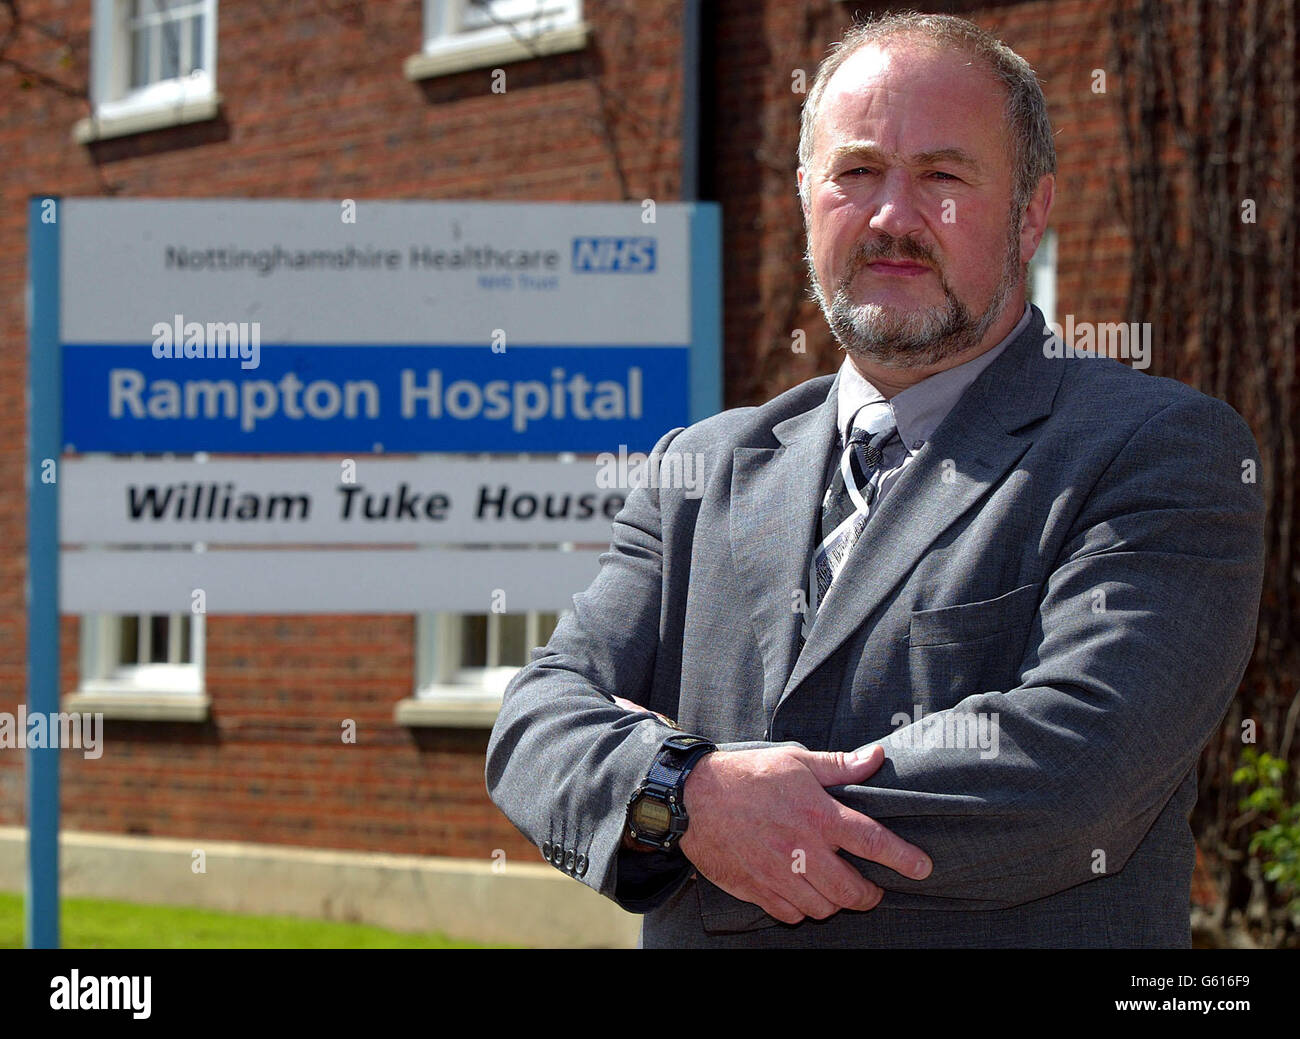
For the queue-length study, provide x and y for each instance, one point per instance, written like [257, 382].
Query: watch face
[652, 817]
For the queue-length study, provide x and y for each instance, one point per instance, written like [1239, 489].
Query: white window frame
[448, 695]
[142, 692]
[117, 109]
[439, 670]
[460, 35]
[103, 673]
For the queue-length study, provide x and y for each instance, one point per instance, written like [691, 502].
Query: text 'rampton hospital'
[420, 395]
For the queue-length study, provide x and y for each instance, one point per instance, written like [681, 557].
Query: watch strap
[676, 758]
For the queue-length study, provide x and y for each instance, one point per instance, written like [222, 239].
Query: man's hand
[763, 828]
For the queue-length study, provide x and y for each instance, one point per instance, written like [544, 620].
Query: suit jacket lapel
[775, 496]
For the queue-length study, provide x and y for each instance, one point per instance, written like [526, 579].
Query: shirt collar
[919, 409]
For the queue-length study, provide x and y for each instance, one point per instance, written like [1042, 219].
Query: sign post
[44, 447]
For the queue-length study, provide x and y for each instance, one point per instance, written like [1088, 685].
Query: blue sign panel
[390, 398]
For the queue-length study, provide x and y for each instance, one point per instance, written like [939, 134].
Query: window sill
[190, 110]
[149, 707]
[476, 54]
[447, 712]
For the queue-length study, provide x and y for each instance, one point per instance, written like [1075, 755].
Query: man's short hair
[1028, 128]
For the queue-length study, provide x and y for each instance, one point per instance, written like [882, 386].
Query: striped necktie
[853, 490]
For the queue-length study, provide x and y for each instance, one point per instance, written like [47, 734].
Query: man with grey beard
[915, 339]
[742, 728]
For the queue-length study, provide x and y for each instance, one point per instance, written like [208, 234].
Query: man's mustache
[889, 248]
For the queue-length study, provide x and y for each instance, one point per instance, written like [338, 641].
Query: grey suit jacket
[1075, 556]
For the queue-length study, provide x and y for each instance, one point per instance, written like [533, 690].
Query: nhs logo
[614, 255]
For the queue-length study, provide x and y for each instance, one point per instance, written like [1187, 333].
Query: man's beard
[878, 333]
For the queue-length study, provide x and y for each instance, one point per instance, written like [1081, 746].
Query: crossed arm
[1111, 710]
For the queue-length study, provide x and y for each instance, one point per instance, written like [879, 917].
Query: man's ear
[803, 203]
[1034, 224]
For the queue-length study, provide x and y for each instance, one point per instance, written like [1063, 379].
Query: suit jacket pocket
[957, 651]
[722, 913]
[969, 622]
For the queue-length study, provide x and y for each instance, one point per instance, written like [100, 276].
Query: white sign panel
[360, 581]
[399, 273]
[353, 501]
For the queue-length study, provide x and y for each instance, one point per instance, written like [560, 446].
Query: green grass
[88, 923]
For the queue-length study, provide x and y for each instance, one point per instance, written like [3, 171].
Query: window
[464, 662]
[153, 65]
[166, 41]
[468, 34]
[526, 15]
[145, 653]
[475, 654]
[147, 666]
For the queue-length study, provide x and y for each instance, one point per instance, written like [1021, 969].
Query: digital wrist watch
[656, 813]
